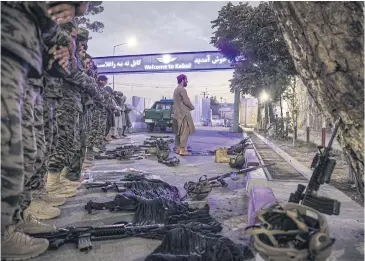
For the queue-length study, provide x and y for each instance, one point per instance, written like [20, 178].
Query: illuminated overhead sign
[159, 63]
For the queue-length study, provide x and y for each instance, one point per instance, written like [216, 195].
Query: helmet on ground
[291, 233]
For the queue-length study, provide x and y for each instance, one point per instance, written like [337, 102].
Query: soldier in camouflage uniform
[74, 170]
[99, 118]
[39, 205]
[94, 122]
[26, 28]
[68, 115]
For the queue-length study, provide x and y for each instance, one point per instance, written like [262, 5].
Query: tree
[95, 8]
[214, 105]
[326, 41]
[253, 33]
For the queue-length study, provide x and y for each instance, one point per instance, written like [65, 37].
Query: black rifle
[323, 164]
[106, 186]
[124, 152]
[240, 147]
[201, 189]
[83, 236]
[219, 180]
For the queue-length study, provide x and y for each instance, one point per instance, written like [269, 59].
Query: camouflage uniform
[32, 93]
[21, 57]
[74, 169]
[87, 84]
[67, 112]
[53, 93]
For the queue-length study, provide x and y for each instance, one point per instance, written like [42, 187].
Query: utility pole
[205, 94]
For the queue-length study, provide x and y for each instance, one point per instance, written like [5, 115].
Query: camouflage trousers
[13, 83]
[67, 113]
[33, 138]
[50, 134]
[74, 170]
[96, 131]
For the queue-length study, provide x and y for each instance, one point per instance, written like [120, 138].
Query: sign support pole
[236, 113]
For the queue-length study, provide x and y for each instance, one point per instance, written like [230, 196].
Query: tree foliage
[95, 7]
[253, 33]
[214, 105]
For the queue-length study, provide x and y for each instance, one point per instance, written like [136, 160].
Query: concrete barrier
[260, 195]
[259, 198]
[255, 178]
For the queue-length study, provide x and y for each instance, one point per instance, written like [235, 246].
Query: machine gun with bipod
[323, 164]
[201, 189]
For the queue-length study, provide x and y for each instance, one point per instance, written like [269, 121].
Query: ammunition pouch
[238, 162]
[199, 190]
[324, 205]
[171, 162]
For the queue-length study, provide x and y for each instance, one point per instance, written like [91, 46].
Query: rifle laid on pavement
[83, 236]
[323, 164]
[106, 186]
[124, 152]
[201, 189]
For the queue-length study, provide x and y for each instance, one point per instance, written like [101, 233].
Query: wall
[202, 110]
[248, 111]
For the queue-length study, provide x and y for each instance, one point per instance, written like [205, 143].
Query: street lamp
[131, 42]
[264, 96]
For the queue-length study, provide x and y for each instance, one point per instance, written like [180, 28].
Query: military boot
[55, 188]
[53, 201]
[31, 225]
[220, 156]
[16, 245]
[41, 210]
[68, 183]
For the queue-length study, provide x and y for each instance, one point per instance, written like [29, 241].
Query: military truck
[159, 115]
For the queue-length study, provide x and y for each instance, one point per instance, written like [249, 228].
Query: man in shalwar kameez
[184, 125]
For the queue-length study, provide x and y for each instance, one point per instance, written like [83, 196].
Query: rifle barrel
[333, 136]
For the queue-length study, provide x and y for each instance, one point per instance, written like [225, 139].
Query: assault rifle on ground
[83, 236]
[201, 189]
[323, 164]
[106, 186]
[124, 152]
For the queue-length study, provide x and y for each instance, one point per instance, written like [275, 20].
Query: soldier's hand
[60, 54]
[61, 13]
[63, 57]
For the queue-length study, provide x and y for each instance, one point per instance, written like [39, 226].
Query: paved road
[228, 204]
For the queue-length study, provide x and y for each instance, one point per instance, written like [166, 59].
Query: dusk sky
[160, 27]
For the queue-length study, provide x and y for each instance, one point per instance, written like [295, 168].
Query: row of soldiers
[51, 96]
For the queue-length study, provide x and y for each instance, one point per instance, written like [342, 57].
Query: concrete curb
[259, 194]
